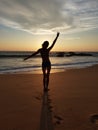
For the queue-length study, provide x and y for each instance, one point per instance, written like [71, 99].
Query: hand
[58, 34]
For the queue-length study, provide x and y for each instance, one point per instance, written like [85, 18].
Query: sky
[26, 24]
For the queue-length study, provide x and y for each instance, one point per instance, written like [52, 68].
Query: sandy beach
[71, 103]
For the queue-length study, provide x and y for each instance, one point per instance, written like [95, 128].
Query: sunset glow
[24, 25]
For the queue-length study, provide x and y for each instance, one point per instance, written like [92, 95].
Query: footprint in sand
[94, 118]
[38, 98]
[58, 119]
[50, 108]
[49, 100]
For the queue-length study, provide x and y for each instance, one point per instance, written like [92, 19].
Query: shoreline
[53, 70]
[70, 104]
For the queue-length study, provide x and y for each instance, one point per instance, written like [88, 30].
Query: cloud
[46, 16]
[72, 38]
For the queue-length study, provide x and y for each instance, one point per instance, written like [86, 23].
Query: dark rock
[78, 54]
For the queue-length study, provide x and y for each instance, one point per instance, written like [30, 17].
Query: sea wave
[54, 66]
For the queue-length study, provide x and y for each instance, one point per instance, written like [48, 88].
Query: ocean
[12, 62]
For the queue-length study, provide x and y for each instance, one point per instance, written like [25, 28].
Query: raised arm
[54, 41]
[32, 54]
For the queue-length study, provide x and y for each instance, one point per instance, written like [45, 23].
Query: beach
[71, 103]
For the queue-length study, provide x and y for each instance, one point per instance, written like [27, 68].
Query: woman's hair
[45, 44]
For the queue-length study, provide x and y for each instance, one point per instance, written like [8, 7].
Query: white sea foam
[33, 65]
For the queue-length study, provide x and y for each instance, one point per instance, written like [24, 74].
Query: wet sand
[71, 103]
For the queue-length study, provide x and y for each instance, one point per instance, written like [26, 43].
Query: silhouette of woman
[46, 64]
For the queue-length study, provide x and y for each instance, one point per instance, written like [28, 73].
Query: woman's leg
[44, 77]
[47, 75]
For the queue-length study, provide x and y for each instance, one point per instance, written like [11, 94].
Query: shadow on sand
[46, 122]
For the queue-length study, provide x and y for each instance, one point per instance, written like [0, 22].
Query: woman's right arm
[32, 54]
[54, 42]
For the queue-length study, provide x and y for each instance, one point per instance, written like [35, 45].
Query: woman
[46, 64]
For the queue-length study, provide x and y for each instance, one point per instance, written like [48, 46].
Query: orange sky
[23, 41]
